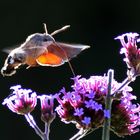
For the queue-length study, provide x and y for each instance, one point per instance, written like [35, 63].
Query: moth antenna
[45, 28]
[71, 68]
[60, 30]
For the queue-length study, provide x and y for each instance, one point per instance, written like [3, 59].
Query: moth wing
[59, 53]
[71, 50]
[9, 49]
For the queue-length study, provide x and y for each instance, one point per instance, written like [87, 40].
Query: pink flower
[21, 101]
[47, 108]
[131, 51]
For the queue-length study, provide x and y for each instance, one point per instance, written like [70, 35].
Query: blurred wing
[9, 49]
[71, 50]
[59, 53]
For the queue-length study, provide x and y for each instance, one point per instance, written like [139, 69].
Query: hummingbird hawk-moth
[41, 50]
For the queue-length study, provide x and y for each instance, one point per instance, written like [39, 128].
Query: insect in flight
[41, 50]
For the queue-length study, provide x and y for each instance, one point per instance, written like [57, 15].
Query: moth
[41, 49]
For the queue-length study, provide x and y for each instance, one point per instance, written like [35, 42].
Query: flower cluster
[85, 106]
[21, 101]
[131, 51]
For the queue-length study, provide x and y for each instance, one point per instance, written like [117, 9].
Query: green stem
[108, 104]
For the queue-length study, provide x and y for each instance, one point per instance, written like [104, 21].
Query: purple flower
[67, 96]
[91, 95]
[86, 120]
[131, 51]
[92, 104]
[47, 108]
[106, 113]
[89, 104]
[88, 110]
[21, 101]
[97, 106]
[78, 112]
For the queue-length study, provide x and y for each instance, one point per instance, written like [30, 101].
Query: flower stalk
[127, 81]
[80, 134]
[42, 135]
[32, 123]
[108, 104]
[47, 130]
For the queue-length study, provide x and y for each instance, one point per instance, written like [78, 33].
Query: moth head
[39, 39]
[16, 58]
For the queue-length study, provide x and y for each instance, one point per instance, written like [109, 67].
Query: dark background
[93, 22]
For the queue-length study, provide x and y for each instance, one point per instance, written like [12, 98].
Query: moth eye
[48, 38]
[20, 57]
[10, 60]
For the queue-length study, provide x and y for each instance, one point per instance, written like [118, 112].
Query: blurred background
[93, 22]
